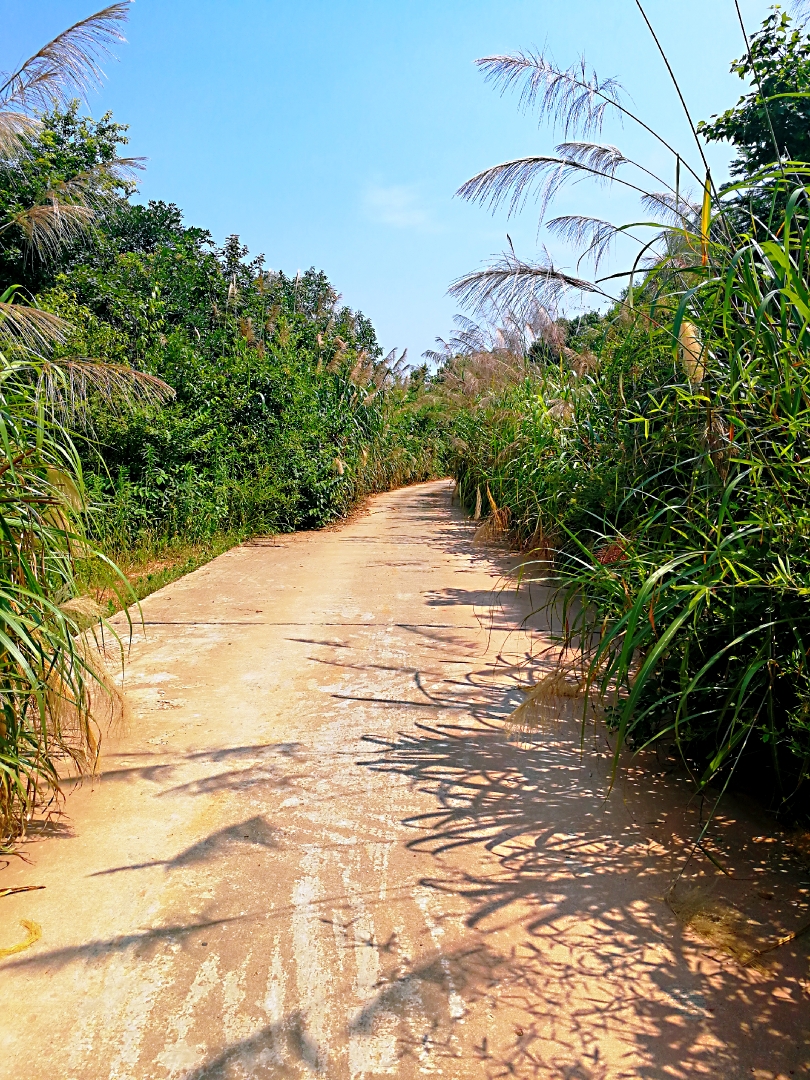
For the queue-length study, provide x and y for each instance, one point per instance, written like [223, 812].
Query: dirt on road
[318, 852]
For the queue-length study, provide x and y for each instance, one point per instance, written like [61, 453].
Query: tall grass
[54, 687]
[664, 487]
[703, 616]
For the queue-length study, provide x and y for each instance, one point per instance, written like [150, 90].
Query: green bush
[284, 409]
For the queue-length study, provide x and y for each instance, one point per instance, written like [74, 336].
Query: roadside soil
[318, 851]
[145, 572]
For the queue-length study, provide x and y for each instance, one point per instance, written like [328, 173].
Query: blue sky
[334, 134]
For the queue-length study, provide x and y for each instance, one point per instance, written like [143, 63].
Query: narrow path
[316, 853]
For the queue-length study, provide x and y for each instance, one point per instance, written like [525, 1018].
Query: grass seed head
[691, 351]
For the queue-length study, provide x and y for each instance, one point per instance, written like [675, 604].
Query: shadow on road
[582, 879]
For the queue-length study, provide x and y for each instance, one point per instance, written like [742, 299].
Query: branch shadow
[253, 832]
[257, 768]
[578, 881]
[143, 943]
[279, 1048]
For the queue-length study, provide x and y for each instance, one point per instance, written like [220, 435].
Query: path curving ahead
[316, 853]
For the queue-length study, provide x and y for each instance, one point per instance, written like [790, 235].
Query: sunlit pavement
[318, 852]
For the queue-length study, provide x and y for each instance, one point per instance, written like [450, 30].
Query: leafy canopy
[775, 115]
[59, 158]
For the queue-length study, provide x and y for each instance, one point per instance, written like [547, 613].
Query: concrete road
[317, 853]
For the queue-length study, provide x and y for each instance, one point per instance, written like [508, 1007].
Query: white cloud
[397, 205]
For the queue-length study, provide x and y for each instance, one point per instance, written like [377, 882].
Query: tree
[772, 122]
[64, 173]
[769, 125]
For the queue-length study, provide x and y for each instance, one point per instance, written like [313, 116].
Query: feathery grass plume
[49, 226]
[560, 410]
[79, 713]
[595, 237]
[477, 511]
[69, 208]
[574, 97]
[610, 553]
[515, 284]
[581, 362]
[578, 100]
[543, 707]
[691, 352]
[283, 333]
[546, 175]
[68, 383]
[28, 327]
[339, 355]
[14, 128]
[68, 66]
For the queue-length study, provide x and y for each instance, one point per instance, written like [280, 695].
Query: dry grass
[545, 701]
[542, 545]
[148, 570]
[496, 526]
[33, 934]
[725, 928]
[79, 716]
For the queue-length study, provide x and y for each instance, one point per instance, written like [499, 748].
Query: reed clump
[655, 454]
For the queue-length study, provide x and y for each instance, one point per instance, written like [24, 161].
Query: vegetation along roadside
[654, 453]
[163, 396]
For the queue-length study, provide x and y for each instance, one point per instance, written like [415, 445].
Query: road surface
[317, 851]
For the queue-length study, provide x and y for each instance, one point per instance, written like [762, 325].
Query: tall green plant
[48, 671]
[685, 590]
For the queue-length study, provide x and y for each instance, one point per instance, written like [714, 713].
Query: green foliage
[656, 458]
[283, 403]
[674, 514]
[59, 158]
[283, 413]
[553, 448]
[773, 120]
[42, 670]
[706, 608]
